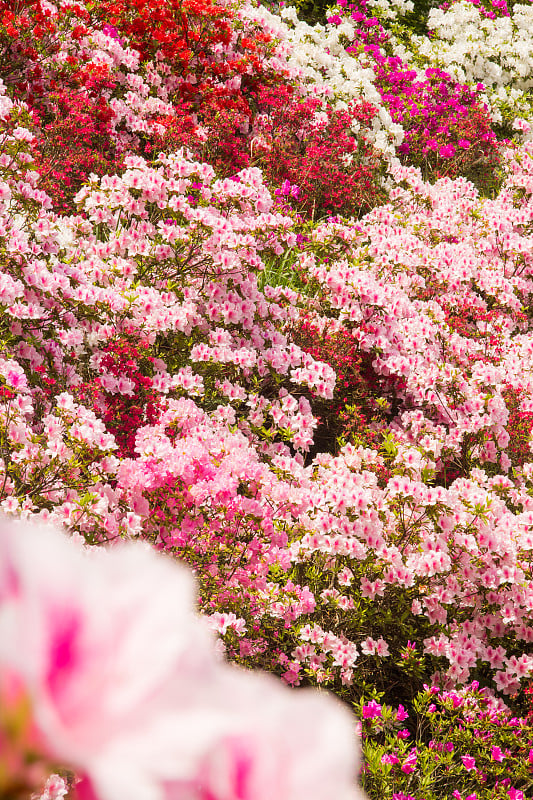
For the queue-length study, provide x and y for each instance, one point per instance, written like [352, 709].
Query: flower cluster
[472, 748]
[265, 307]
[447, 128]
[490, 49]
[327, 153]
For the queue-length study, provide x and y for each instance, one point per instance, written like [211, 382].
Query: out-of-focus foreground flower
[107, 670]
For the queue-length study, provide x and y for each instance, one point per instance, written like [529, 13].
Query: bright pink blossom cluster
[447, 129]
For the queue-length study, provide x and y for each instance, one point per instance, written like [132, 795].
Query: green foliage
[416, 20]
[281, 271]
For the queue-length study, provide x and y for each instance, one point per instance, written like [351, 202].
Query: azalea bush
[486, 45]
[468, 745]
[331, 168]
[358, 401]
[447, 128]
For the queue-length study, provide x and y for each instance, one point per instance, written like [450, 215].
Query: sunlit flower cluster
[327, 419]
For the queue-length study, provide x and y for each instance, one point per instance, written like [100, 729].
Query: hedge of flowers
[266, 310]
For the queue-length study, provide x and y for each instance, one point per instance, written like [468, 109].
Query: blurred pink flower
[126, 687]
[118, 666]
[286, 745]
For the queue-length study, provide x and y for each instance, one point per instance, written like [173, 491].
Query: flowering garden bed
[266, 311]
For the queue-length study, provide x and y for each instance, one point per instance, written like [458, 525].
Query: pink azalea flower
[409, 765]
[382, 648]
[446, 150]
[401, 714]
[515, 794]
[55, 788]
[278, 751]
[117, 666]
[496, 753]
[371, 710]
[468, 762]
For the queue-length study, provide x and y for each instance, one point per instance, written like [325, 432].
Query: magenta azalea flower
[468, 762]
[447, 151]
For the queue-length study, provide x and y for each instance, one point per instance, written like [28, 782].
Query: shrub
[324, 153]
[456, 744]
